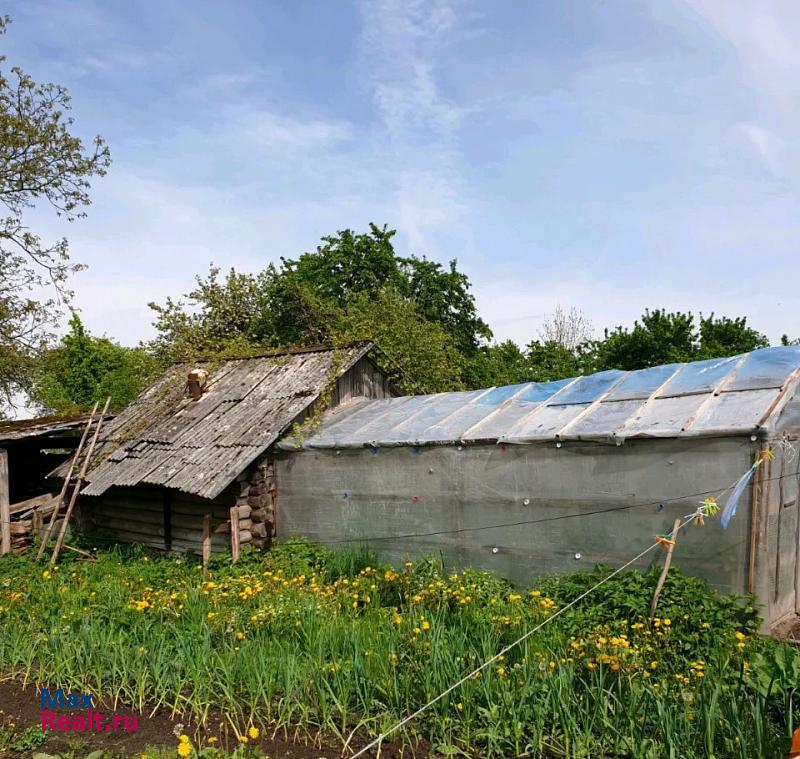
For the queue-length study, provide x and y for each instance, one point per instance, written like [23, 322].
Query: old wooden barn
[552, 477]
[199, 442]
[29, 449]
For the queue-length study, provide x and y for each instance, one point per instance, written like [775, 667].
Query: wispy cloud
[401, 46]
[269, 130]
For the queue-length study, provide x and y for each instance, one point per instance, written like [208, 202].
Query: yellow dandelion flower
[253, 732]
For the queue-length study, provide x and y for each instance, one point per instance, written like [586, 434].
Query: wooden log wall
[256, 493]
[158, 518]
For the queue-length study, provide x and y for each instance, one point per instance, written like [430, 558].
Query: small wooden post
[206, 541]
[235, 544]
[36, 523]
[661, 580]
[5, 505]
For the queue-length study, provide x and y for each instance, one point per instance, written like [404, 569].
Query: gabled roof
[166, 438]
[738, 395]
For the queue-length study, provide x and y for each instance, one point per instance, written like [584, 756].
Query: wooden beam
[663, 578]
[5, 505]
[206, 541]
[235, 544]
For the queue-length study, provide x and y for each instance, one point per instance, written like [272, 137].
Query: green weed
[314, 645]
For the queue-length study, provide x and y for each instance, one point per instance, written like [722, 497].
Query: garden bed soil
[20, 709]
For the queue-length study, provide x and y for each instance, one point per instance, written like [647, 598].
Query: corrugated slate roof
[199, 446]
[704, 398]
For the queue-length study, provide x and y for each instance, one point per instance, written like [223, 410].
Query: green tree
[659, 337]
[83, 369]
[550, 360]
[498, 364]
[353, 287]
[662, 337]
[727, 337]
[418, 354]
[219, 316]
[348, 264]
[41, 163]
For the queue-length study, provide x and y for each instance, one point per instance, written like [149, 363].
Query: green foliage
[354, 287]
[334, 646]
[30, 738]
[41, 163]
[418, 354]
[726, 337]
[83, 369]
[422, 316]
[349, 265]
[221, 316]
[662, 337]
[498, 364]
[551, 361]
[659, 337]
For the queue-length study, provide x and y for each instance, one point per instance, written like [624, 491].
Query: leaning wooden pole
[77, 489]
[661, 580]
[54, 514]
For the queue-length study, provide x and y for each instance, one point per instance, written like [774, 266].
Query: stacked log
[256, 504]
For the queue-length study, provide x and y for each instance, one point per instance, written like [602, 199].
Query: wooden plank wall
[362, 380]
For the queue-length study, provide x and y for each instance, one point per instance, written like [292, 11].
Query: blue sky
[609, 155]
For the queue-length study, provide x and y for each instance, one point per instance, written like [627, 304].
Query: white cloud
[765, 37]
[767, 145]
[263, 129]
[401, 46]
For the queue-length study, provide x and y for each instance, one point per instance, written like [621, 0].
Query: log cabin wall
[256, 501]
[160, 518]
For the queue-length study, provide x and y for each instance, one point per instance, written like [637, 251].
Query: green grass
[317, 644]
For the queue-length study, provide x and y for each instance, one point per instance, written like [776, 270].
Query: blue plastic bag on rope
[729, 512]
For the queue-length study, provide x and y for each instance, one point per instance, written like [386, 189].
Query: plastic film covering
[766, 368]
[520, 511]
[642, 384]
[700, 377]
[736, 395]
